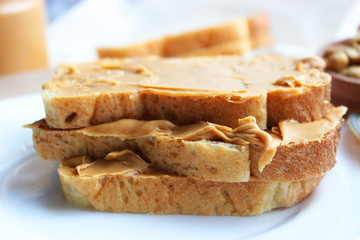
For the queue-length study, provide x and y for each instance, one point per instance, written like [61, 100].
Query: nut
[345, 58]
[353, 54]
[314, 62]
[333, 49]
[337, 60]
[352, 71]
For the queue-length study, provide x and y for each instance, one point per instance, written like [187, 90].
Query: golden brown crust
[191, 109]
[151, 106]
[309, 106]
[296, 161]
[166, 194]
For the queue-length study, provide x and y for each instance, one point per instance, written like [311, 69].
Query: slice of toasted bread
[216, 89]
[236, 47]
[236, 37]
[209, 152]
[155, 192]
[229, 38]
[259, 29]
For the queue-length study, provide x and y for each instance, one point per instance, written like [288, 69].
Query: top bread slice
[259, 30]
[235, 37]
[219, 89]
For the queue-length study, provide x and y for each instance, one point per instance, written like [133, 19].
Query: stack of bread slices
[221, 135]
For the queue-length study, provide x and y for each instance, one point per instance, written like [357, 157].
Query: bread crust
[296, 161]
[169, 194]
[214, 109]
[102, 108]
[308, 106]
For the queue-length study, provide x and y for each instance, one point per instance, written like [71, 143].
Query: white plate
[32, 207]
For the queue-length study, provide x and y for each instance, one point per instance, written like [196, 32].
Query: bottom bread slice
[159, 193]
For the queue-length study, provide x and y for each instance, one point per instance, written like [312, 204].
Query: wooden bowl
[345, 90]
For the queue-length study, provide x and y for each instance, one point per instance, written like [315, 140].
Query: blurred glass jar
[22, 35]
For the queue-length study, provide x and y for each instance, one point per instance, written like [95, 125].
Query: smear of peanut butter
[293, 131]
[246, 133]
[120, 162]
[206, 76]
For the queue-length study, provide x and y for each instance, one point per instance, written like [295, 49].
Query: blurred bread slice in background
[236, 37]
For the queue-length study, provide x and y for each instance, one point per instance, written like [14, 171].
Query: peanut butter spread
[120, 162]
[75, 161]
[130, 128]
[222, 75]
[293, 131]
[123, 162]
[246, 133]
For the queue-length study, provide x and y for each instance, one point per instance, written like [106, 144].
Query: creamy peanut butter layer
[293, 131]
[203, 75]
[121, 162]
[216, 89]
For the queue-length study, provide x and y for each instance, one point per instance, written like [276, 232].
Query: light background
[300, 28]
